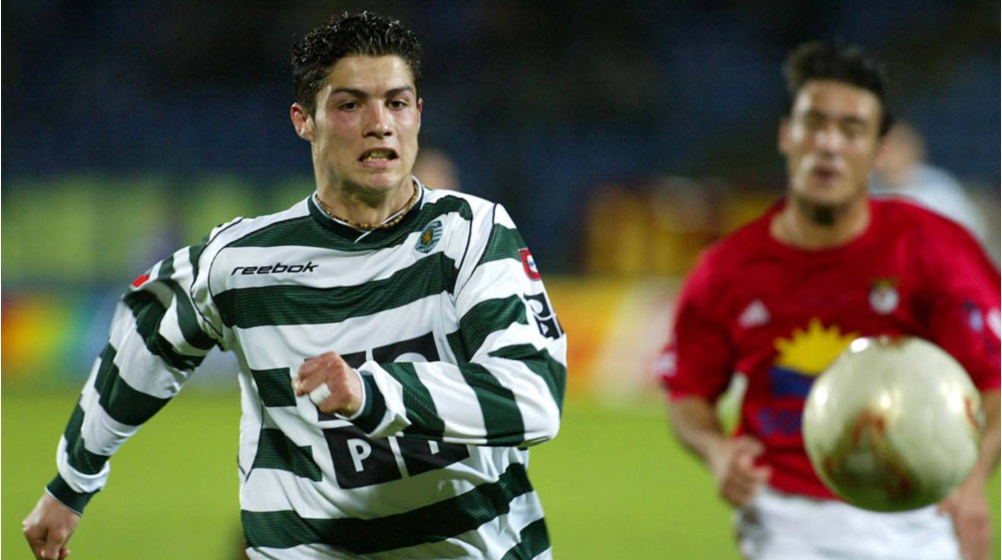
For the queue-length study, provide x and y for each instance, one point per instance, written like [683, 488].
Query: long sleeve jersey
[445, 317]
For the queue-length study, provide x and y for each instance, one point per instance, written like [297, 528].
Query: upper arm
[698, 358]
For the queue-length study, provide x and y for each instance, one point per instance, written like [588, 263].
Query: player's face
[365, 128]
[830, 141]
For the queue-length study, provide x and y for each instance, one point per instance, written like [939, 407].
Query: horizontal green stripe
[421, 410]
[123, 403]
[276, 451]
[274, 386]
[503, 243]
[490, 316]
[303, 305]
[534, 540]
[79, 457]
[307, 231]
[542, 364]
[187, 321]
[502, 418]
[149, 312]
[429, 524]
[70, 498]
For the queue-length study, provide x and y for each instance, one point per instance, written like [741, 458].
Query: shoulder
[241, 228]
[937, 242]
[909, 219]
[736, 250]
[468, 206]
[246, 230]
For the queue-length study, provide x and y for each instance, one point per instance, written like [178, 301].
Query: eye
[397, 104]
[813, 121]
[852, 130]
[348, 106]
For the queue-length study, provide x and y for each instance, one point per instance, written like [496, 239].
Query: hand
[968, 508]
[331, 384]
[49, 527]
[733, 466]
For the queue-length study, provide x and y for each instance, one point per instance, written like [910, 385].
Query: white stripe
[333, 268]
[286, 346]
[142, 370]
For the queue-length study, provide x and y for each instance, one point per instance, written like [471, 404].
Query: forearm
[988, 457]
[497, 402]
[694, 421]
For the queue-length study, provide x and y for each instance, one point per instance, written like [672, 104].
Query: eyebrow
[365, 95]
[842, 118]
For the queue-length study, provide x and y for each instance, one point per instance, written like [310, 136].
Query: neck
[802, 225]
[364, 207]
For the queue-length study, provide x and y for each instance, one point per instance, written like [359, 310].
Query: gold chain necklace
[370, 227]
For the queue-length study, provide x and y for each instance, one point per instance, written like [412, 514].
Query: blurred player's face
[364, 131]
[830, 142]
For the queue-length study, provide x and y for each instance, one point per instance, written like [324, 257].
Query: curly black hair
[840, 62]
[348, 34]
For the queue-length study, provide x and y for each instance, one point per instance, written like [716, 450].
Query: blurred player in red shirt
[779, 299]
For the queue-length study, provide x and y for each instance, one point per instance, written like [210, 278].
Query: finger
[320, 394]
[748, 445]
[52, 547]
[307, 383]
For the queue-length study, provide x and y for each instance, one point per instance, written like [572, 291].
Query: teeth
[377, 154]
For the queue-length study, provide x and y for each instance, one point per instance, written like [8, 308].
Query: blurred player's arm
[964, 304]
[508, 386]
[731, 459]
[967, 505]
[158, 336]
[695, 368]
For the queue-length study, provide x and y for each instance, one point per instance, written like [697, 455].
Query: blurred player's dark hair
[840, 62]
[344, 35]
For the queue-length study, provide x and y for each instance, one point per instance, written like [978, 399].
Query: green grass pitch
[614, 484]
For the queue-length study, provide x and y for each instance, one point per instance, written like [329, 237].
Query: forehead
[837, 99]
[370, 73]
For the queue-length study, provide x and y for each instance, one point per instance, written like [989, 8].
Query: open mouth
[378, 154]
[825, 173]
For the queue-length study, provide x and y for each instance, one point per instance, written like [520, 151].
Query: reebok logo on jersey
[755, 315]
[277, 268]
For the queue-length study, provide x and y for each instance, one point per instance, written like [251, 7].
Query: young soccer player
[779, 299]
[398, 350]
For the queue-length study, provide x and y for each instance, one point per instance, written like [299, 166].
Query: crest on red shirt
[884, 296]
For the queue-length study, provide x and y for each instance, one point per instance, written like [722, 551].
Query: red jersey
[780, 315]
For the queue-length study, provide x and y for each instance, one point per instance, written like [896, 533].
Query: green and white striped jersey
[446, 319]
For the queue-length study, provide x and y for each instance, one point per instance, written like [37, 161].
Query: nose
[828, 139]
[378, 122]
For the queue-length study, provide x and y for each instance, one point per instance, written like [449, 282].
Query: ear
[420, 107]
[302, 121]
[783, 142]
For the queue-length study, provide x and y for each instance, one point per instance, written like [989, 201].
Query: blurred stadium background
[623, 137]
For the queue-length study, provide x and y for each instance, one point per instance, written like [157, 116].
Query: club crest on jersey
[429, 237]
[884, 297]
[529, 264]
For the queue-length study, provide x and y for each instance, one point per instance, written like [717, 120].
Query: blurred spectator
[903, 170]
[436, 170]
